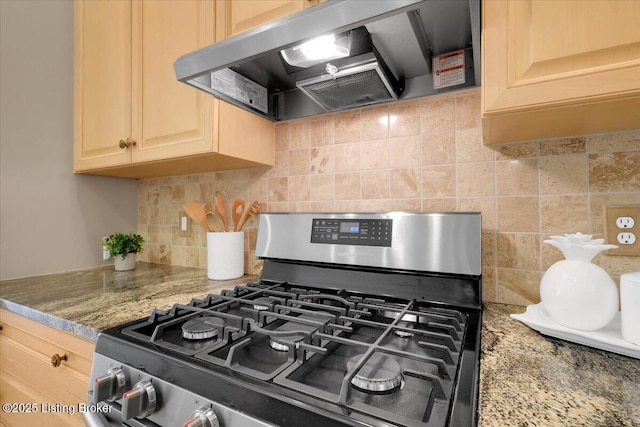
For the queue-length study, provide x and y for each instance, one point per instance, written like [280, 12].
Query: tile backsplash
[421, 155]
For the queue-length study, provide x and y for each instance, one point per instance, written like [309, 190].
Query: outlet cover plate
[184, 218]
[612, 213]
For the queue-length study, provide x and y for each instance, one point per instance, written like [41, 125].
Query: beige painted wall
[50, 219]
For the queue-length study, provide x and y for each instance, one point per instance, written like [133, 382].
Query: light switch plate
[184, 224]
[614, 231]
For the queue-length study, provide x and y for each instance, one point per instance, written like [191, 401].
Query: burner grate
[326, 345]
[428, 357]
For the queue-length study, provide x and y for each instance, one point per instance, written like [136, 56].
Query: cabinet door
[561, 67]
[243, 135]
[102, 83]
[242, 15]
[176, 120]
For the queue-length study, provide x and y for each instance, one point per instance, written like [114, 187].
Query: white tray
[608, 338]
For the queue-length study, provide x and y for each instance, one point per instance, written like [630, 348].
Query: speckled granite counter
[526, 379]
[85, 302]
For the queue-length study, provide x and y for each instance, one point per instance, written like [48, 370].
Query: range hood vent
[363, 78]
[384, 51]
[354, 87]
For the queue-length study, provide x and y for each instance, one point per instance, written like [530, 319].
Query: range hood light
[315, 51]
[323, 48]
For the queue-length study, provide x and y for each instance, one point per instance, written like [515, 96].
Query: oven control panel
[363, 232]
[172, 405]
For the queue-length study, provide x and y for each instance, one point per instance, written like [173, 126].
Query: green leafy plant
[123, 244]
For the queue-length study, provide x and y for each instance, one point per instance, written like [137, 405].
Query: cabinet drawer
[62, 384]
[12, 390]
[28, 376]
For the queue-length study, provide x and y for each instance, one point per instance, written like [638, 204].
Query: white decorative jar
[128, 262]
[575, 292]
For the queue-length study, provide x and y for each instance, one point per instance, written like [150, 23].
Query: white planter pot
[128, 263]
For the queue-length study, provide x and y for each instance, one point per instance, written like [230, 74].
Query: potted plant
[123, 248]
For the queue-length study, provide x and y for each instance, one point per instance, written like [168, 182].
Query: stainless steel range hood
[399, 49]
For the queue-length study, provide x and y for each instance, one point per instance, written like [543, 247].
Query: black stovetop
[318, 355]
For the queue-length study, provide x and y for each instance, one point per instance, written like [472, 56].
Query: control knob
[203, 417]
[140, 401]
[110, 386]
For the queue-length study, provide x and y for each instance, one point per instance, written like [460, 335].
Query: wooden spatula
[221, 205]
[196, 212]
[252, 210]
[236, 212]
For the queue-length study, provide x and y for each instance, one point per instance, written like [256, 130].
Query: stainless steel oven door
[97, 419]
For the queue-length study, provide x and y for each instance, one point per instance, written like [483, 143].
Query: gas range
[357, 320]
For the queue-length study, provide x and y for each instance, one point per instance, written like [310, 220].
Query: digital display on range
[362, 232]
[350, 227]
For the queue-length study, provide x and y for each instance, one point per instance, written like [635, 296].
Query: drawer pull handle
[56, 360]
[126, 144]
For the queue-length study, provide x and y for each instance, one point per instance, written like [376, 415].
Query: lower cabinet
[33, 391]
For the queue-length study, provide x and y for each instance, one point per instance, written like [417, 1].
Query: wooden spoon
[213, 219]
[197, 213]
[221, 205]
[236, 212]
[254, 209]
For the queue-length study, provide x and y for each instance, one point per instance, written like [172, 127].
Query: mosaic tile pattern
[421, 155]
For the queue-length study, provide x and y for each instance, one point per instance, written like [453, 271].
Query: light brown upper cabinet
[242, 15]
[555, 68]
[132, 118]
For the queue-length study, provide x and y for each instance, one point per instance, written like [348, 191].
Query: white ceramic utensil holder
[225, 255]
[630, 307]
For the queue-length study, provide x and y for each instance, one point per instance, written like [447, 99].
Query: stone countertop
[85, 302]
[526, 379]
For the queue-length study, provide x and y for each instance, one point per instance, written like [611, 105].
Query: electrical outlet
[626, 238]
[623, 229]
[184, 224]
[625, 222]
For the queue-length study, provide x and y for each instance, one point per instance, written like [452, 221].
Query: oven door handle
[95, 419]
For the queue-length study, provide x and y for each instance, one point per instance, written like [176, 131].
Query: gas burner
[379, 374]
[402, 334]
[262, 304]
[201, 328]
[282, 344]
